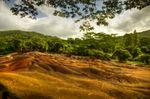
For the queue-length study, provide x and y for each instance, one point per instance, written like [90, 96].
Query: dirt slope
[52, 76]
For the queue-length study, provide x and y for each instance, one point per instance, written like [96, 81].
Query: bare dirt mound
[52, 76]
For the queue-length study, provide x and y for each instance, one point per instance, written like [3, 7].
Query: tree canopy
[94, 45]
[87, 10]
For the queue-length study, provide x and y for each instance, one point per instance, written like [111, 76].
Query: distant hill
[144, 33]
[19, 32]
[26, 34]
[12, 40]
[31, 33]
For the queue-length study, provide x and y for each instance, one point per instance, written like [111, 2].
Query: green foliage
[122, 55]
[145, 44]
[100, 41]
[145, 58]
[95, 53]
[131, 40]
[106, 57]
[144, 34]
[145, 49]
[12, 41]
[95, 45]
[136, 52]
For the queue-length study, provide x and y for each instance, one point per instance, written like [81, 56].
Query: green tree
[136, 52]
[128, 40]
[135, 38]
[100, 41]
[55, 45]
[131, 41]
[122, 55]
[145, 45]
[145, 49]
[145, 58]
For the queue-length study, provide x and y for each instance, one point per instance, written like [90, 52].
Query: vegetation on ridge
[132, 47]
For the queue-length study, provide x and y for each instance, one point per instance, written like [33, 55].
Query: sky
[46, 23]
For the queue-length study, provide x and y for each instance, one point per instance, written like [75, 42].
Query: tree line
[130, 47]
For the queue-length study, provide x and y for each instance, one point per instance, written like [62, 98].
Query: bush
[80, 50]
[68, 50]
[129, 48]
[145, 58]
[122, 55]
[136, 52]
[145, 49]
[106, 57]
[95, 53]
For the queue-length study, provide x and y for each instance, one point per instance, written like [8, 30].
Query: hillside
[144, 33]
[27, 33]
[19, 32]
[55, 76]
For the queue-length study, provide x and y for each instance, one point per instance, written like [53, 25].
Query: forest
[133, 47]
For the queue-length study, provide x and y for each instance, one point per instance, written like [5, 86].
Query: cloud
[53, 25]
[128, 21]
[48, 24]
[9, 21]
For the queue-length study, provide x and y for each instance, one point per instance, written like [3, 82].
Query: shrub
[136, 52]
[80, 50]
[129, 48]
[145, 49]
[95, 53]
[145, 58]
[69, 50]
[122, 55]
[106, 57]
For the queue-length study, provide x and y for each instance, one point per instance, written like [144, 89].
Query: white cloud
[53, 25]
[128, 21]
[49, 24]
[57, 26]
[9, 21]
